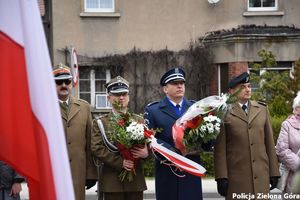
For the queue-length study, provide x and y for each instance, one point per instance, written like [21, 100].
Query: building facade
[234, 31]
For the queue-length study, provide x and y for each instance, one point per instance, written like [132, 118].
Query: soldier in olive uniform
[113, 163]
[244, 153]
[76, 117]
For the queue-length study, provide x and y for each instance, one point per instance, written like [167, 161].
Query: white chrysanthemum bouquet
[201, 123]
[128, 132]
[135, 131]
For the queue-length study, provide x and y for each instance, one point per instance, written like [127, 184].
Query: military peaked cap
[242, 78]
[117, 85]
[61, 72]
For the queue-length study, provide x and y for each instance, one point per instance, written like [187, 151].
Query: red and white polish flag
[31, 132]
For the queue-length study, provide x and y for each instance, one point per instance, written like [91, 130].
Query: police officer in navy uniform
[163, 115]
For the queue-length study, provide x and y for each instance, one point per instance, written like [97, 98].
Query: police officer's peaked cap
[242, 78]
[174, 74]
[117, 85]
[61, 72]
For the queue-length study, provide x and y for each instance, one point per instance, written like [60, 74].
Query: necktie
[178, 107]
[244, 107]
[65, 106]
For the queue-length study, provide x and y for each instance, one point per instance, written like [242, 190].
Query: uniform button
[253, 160]
[69, 142]
[255, 177]
[70, 160]
[251, 144]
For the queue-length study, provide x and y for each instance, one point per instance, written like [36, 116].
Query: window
[262, 5]
[101, 101]
[99, 6]
[280, 68]
[91, 86]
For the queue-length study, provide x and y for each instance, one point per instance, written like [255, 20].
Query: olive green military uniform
[113, 162]
[77, 126]
[244, 152]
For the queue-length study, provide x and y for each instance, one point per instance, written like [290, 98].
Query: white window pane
[92, 3]
[101, 101]
[106, 4]
[262, 5]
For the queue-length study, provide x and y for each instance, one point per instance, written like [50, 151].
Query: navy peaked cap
[117, 85]
[174, 74]
[242, 78]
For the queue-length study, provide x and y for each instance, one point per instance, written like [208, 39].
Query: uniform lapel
[167, 108]
[237, 111]
[63, 113]
[254, 109]
[186, 105]
[74, 108]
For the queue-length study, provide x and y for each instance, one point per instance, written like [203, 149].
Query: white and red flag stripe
[31, 132]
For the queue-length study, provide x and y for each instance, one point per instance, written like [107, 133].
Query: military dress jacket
[113, 162]
[167, 184]
[244, 152]
[77, 126]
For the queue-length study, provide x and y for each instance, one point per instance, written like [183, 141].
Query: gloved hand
[90, 183]
[273, 182]
[222, 184]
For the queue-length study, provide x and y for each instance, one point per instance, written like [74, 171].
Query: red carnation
[121, 122]
[194, 123]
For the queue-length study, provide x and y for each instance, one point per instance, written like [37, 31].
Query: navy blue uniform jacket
[167, 185]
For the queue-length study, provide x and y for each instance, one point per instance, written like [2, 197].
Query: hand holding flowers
[128, 136]
[201, 123]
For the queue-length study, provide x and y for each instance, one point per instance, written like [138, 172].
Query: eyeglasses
[124, 94]
[60, 82]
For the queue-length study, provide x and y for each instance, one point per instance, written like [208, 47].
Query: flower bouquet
[128, 132]
[201, 123]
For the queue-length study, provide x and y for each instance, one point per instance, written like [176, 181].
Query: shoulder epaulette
[152, 103]
[100, 116]
[262, 103]
[84, 101]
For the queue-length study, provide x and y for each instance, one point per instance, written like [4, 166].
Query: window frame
[107, 106]
[277, 68]
[275, 8]
[93, 93]
[100, 10]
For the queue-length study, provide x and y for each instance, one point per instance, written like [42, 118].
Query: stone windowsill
[98, 14]
[262, 13]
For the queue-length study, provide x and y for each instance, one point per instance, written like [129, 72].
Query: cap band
[62, 73]
[172, 77]
[117, 88]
